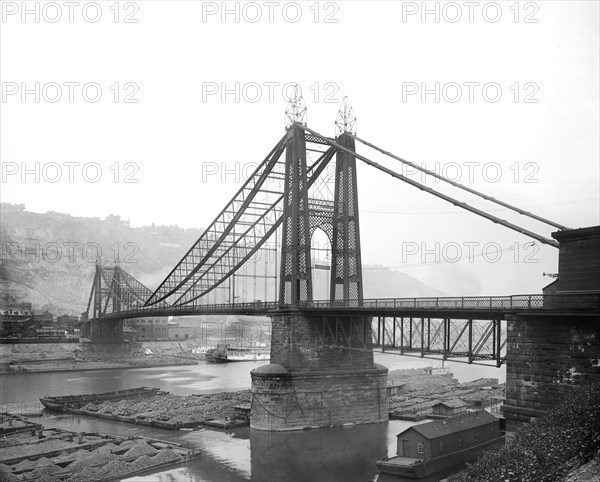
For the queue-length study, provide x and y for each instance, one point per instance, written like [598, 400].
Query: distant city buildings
[15, 320]
[116, 220]
[147, 329]
[157, 329]
[19, 322]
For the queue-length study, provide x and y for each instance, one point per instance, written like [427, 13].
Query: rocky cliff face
[49, 259]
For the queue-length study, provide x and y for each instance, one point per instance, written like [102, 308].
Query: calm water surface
[344, 454]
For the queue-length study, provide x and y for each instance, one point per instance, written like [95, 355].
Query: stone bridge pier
[104, 331]
[309, 385]
[549, 353]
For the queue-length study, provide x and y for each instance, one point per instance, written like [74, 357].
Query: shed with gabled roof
[444, 436]
[449, 407]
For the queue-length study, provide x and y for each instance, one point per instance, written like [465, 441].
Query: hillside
[551, 448]
[49, 259]
[382, 282]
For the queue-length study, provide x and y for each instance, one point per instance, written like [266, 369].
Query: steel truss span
[243, 226]
[115, 291]
[260, 207]
[468, 341]
[291, 191]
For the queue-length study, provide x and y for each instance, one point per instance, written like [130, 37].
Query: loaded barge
[56, 455]
[74, 404]
[77, 401]
[155, 408]
[428, 448]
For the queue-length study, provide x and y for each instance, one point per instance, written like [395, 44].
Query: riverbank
[52, 367]
[58, 357]
[551, 448]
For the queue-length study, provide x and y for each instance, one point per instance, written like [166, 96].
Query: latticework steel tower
[346, 271]
[296, 279]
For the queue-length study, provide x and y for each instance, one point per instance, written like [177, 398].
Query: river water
[344, 454]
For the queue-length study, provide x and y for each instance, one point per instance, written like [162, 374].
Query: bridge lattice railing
[511, 303]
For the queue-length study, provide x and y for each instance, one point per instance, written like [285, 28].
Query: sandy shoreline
[49, 367]
[47, 358]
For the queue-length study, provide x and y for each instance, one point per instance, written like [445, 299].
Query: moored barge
[78, 401]
[432, 447]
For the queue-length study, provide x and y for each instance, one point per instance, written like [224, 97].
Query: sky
[157, 111]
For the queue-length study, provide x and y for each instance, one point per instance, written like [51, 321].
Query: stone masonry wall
[297, 346]
[579, 259]
[545, 356]
[310, 385]
[312, 400]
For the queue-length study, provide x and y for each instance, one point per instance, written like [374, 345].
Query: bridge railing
[500, 303]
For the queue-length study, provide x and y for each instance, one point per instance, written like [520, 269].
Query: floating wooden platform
[11, 423]
[78, 401]
[419, 468]
[57, 455]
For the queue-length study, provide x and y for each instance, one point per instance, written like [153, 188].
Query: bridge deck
[471, 307]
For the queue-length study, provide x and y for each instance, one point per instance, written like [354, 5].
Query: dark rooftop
[453, 403]
[455, 424]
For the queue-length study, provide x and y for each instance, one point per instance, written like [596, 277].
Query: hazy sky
[501, 96]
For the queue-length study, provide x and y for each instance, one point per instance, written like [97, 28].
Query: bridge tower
[346, 269]
[296, 277]
[309, 384]
[102, 297]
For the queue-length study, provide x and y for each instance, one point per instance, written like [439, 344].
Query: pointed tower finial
[296, 109]
[345, 121]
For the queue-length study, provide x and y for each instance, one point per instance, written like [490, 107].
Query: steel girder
[129, 291]
[223, 233]
[98, 292]
[115, 291]
[295, 283]
[473, 340]
[251, 240]
[240, 230]
[346, 332]
[346, 269]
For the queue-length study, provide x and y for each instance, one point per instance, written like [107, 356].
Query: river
[347, 454]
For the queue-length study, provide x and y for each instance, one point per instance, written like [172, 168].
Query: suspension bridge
[322, 370]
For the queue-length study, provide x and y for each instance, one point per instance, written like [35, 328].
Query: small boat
[78, 401]
[202, 352]
[226, 353]
[227, 423]
[432, 447]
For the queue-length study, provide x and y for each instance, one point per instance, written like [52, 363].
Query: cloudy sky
[155, 111]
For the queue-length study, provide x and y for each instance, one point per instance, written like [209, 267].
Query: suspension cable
[433, 192]
[460, 186]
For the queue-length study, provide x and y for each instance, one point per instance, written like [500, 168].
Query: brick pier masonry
[546, 357]
[547, 354]
[308, 385]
